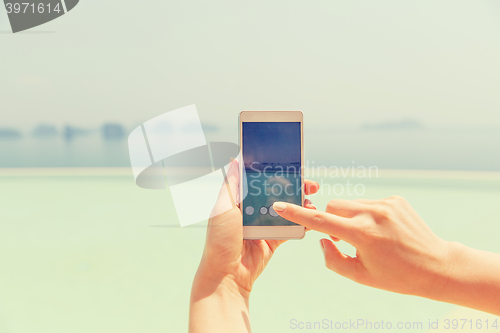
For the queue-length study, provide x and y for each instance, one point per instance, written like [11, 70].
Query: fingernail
[279, 206]
[322, 246]
[314, 206]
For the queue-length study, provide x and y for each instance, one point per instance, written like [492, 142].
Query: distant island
[9, 133]
[112, 131]
[406, 124]
[107, 131]
[209, 127]
[70, 132]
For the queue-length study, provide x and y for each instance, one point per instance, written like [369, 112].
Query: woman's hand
[230, 265]
[397, 251]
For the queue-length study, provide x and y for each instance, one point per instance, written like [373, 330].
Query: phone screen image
[272, 162]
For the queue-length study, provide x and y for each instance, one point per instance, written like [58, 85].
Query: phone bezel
[273, 232]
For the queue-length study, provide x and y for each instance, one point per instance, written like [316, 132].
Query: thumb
[340, 263]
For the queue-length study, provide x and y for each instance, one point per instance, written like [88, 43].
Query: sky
[343, 63]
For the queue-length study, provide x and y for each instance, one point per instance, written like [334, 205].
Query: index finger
[330, 224]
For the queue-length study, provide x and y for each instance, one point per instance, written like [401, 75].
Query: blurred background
[411, 87]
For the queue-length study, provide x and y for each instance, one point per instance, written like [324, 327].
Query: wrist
[217, 304]
[210, 282]
[445, 274]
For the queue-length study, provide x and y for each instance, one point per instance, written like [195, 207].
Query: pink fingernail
[279, 206]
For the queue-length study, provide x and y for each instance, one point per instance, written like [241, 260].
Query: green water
[83, 254]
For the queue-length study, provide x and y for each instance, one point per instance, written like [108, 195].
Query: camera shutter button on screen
[249, 210]
[272, 212]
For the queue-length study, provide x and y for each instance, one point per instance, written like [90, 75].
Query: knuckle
[370, 234]
[397, 199]
[364, 221]
[318, 219]
[331, 205]
[381, 211]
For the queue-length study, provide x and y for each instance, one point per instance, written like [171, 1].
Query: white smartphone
[271, 169]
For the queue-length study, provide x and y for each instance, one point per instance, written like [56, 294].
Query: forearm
[217, 305]
[473, 279]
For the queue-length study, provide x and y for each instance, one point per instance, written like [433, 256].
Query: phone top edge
[271, 116]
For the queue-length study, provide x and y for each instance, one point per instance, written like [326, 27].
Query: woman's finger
[339, 262]
[310, 187]
[317, 220]
[346, 208]
[309, 204]
[273, 244]
[335, 239]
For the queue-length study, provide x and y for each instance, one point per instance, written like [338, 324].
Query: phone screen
[272, 162]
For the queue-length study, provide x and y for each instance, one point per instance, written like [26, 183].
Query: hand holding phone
[230, 266]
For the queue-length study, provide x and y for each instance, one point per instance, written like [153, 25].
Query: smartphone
[271, 169]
